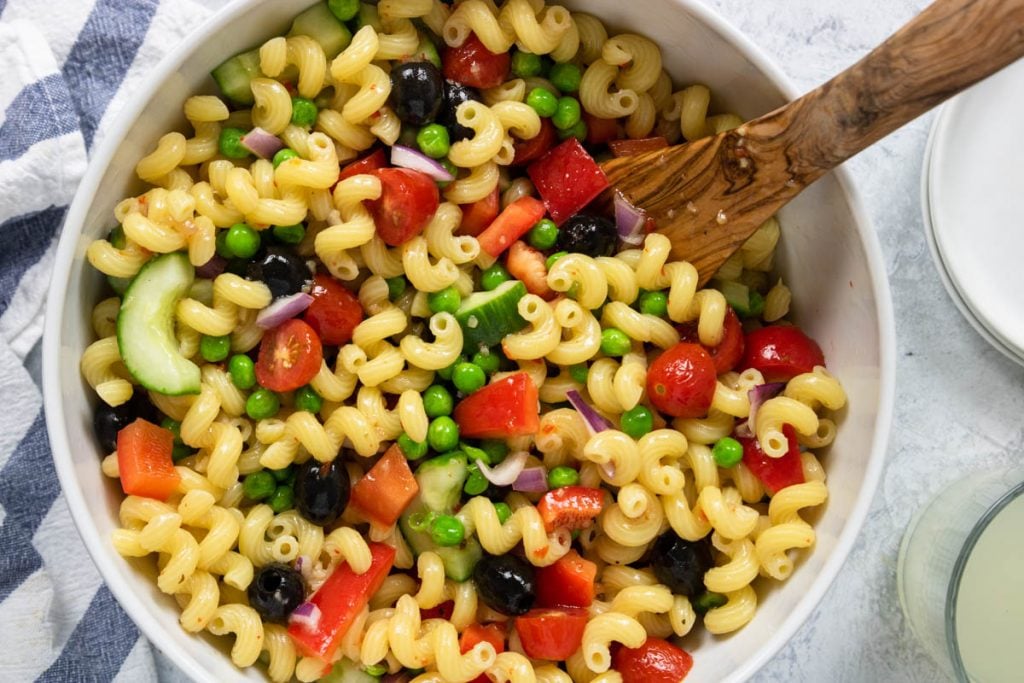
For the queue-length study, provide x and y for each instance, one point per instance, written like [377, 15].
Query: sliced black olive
[587, 234]
[506, 583]
[276, 591]
[454, 95]
[108, 421]
[280, 269]
[322, 490]
[416, 92]
[681, 564]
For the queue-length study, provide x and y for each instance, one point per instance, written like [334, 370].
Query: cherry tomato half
[656, 661]
[681, 381]
[335, 311]
[781, 352]
[729, 351]
[478, 215]
[290, 356]
[371, 162]
[473, 64]
[552, 634]
[408, 200]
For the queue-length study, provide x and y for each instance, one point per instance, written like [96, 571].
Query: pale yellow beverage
[989, 606]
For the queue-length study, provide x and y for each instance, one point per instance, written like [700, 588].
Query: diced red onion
[261, 143]
[742, 431]
[212, 268]
[759, 395]
[407, 157]
[507, 472]
[629, 220]
[306, 615]
[594, 420]
[531, 480]
[285, 308]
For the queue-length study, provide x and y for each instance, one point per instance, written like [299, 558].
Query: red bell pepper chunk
[627, 148]
[144, 460]
[567, 179]
[478, 215]
[340, 599]
[371, 162]
[478, 633]
[511, 224]
[552, 634]
[506, 408]
[387, 489]
[573, 507]
[775, 473]
[535, 147]
[600, 131]
[569, 582]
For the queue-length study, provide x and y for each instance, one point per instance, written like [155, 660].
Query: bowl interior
[828, 255]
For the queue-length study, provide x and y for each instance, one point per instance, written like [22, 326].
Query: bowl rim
[66, 250]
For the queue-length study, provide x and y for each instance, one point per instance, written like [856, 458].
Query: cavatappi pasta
[357, 387]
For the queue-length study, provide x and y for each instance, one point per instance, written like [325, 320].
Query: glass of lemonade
[961, 577]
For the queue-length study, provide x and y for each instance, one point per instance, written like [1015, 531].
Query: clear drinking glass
[961, 577]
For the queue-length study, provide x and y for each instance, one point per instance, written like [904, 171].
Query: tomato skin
[511, 224]
[535, 147]
[781, 352]
[775, 473]
[600, 131]
[478, 215]
[681, 381]
[656, 661]
[478, 633]
[473, 64]
[574, 507]
[408, 200]
[567, 179]
[552, 634]
[335, 310]
[729, 351]
[386, 490]
[144, 460]
[368, 164]
[503, 409]
[528, 265]
[442, 611]
[290, 356]
[626, 148]
[569, 582]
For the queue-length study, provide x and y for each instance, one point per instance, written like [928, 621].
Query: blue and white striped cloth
[67, 67]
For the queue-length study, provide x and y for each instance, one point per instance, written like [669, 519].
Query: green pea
[230, 143]
[496, 449]
[707, 601]
[307, 399]
[567, 113]
[493, 276]
[554, 257]
[437, 401]
[215, 349]
[433, 140]
[476, 482]
[577, 130]
[473, 454]
[468, 377]
[261, 404]
[284, 155]
[289, 234]
[413, 450]
[375, 670]
[504, 512]
[446, 373]
[562, 476]
[565, 77]
[727, 452]
[283, 498]
[445, 301]
[242, 371]
[526, 64]
[615, 342]
[222, 245]
[488, 362]
[447, 531]
[396, 285]
[654, 303]
[544, 234]
[579, 373]
[343, 9]
[242, 240]
[637, 421]
[443, 434]
[303, 112]
[542, 102]
[258, 485]
[180, 452]
[174, 426]
[283, 475]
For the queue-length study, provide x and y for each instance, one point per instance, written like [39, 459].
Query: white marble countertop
[958, 401]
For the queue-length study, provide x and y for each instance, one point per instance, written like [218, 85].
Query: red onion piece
[261, 143]
[629, 220]
[212, 268]
[507, 472]
[407, 157]
[285, 308]
[531, 480]
[306, 615]
[759, 395]
[594, 420]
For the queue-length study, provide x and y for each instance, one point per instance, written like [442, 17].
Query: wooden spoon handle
[948, 47]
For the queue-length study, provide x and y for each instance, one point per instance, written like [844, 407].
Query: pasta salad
[391, 396]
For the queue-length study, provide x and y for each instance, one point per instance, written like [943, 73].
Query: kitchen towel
[68, 66]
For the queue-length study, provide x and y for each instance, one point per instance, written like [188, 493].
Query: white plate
[974, 193]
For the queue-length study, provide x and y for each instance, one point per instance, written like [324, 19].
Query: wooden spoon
[710, 195]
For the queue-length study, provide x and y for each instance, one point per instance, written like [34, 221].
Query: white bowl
[828, 253]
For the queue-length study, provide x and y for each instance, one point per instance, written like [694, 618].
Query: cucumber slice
[486, 317]
[145, 327]
[347, 671]
[745, 302]
[459, 561]
[320, 24]
[426, 52]
[368, 16]
[234, 76]
[441, 479]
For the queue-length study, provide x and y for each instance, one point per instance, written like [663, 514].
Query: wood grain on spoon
[710, 195]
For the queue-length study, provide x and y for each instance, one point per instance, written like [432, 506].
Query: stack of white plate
[972, 194]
